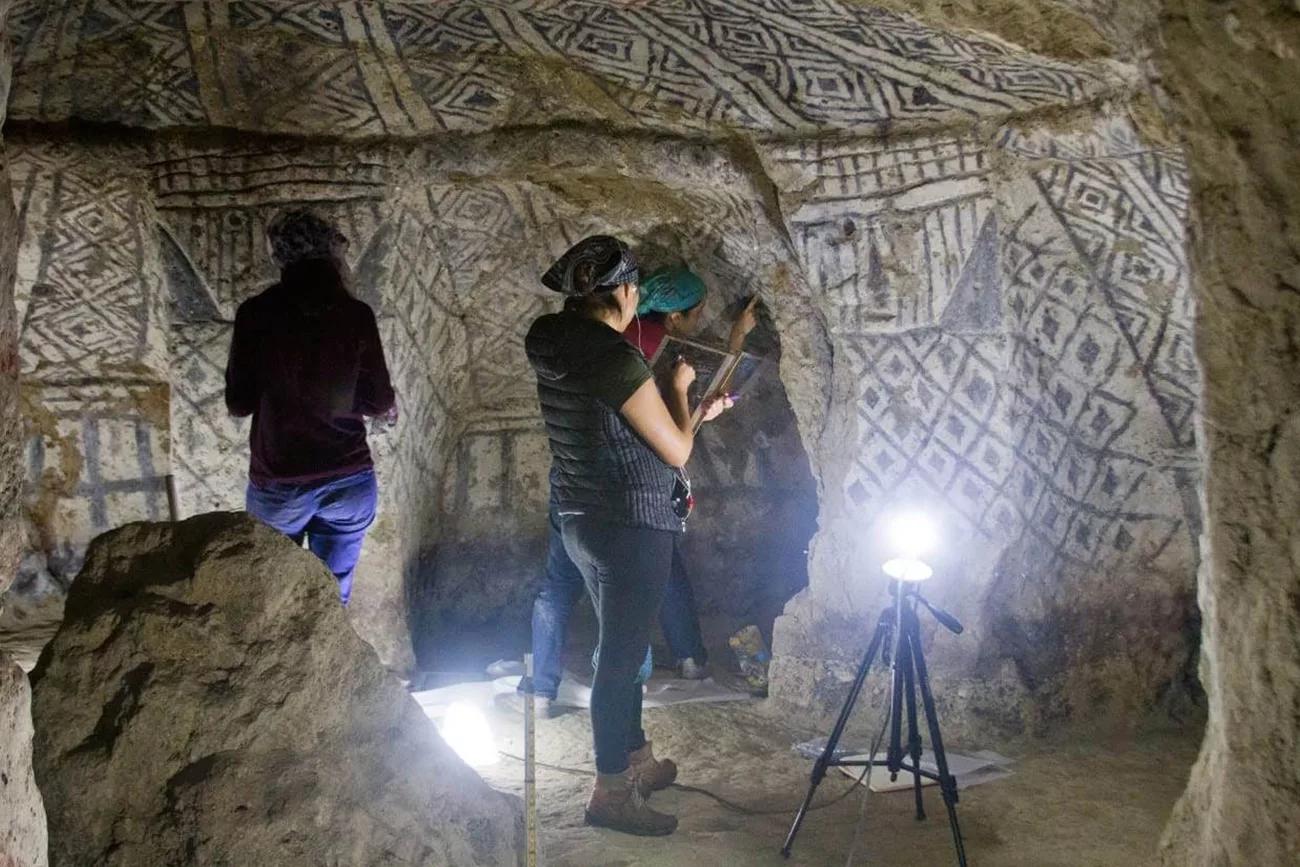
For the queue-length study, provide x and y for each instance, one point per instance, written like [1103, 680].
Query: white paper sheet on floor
[970, 769]
[660, 692]
[983, 766]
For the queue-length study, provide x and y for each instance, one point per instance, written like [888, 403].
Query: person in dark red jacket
[306, 362]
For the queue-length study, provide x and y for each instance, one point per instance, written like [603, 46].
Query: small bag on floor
[752, 656]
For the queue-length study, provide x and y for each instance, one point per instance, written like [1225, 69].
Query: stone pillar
[11, 480]
[23, 841]
[22, 829]
[1230, 69]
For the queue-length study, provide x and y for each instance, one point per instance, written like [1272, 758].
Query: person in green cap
[672, 301]
[671, 304]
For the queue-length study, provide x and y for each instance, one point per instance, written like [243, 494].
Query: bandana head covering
[298, 235]
[595, 264]
[670, 290]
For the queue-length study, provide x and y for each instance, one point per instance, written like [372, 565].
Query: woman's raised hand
[683, 375]
[715, 406]
[746, 321]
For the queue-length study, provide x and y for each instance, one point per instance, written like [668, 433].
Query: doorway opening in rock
[745, 548]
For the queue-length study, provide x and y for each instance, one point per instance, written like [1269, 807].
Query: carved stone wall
[1230, 69]
[1010, 321]
[24, 841]
[12, 539]
[985, 315]
[371, 69]
[95, 383]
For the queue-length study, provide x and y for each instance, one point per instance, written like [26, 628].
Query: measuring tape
[530, 759]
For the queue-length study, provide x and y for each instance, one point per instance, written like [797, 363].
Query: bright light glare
[466, 730]
[912, 535]
[904, 569]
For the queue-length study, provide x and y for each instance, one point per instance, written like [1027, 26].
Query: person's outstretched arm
[374, 388]
[664, 421]
[241, 367]
[746, 319]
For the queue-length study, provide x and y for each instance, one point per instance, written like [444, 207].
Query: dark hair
[592, 303]
[299, 234]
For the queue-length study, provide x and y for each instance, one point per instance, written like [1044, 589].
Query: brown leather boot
[617, 804]
[651, 774]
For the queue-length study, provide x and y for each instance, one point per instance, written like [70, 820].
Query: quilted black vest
[600, 466]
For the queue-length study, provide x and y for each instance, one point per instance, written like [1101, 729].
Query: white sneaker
[689, 669]
[543, 707]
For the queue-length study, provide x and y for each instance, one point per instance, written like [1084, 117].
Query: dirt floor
[1071, 804]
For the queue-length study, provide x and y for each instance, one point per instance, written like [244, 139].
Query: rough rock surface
[11, 475]
[1230, 68]
[978, 283]
[22, 817]
[206, 702]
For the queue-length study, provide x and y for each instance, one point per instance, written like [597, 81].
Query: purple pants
[333, 515]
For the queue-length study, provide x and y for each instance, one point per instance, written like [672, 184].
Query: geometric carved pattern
[1125, 218]
[383, 68]
[96, 455]
[1096, 299]
[1085, 481]
[933, 413]
[1015, 360]
[92, 349]
[889, 233]
[210, 448]
[87, 289]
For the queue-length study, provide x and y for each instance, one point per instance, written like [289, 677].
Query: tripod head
[952, 624]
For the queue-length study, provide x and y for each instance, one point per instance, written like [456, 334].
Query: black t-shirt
[586, 372]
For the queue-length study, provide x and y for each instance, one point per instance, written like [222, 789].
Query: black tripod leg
[913, 728]
[828, 754]
[947, 783]
[894, 755]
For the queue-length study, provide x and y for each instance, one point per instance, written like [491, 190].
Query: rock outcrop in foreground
[22, 819]
[206, 702]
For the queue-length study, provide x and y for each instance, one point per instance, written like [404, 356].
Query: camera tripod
[898, 632]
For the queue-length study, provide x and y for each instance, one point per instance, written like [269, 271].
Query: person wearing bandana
[670, 302]
[307, 363]
[615, 440]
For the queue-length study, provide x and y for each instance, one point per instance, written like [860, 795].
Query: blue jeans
[677, 615]
[562, 587]
[334, 516]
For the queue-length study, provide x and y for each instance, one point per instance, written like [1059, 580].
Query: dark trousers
[625, 570]
[333, 516]
[562, 587]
